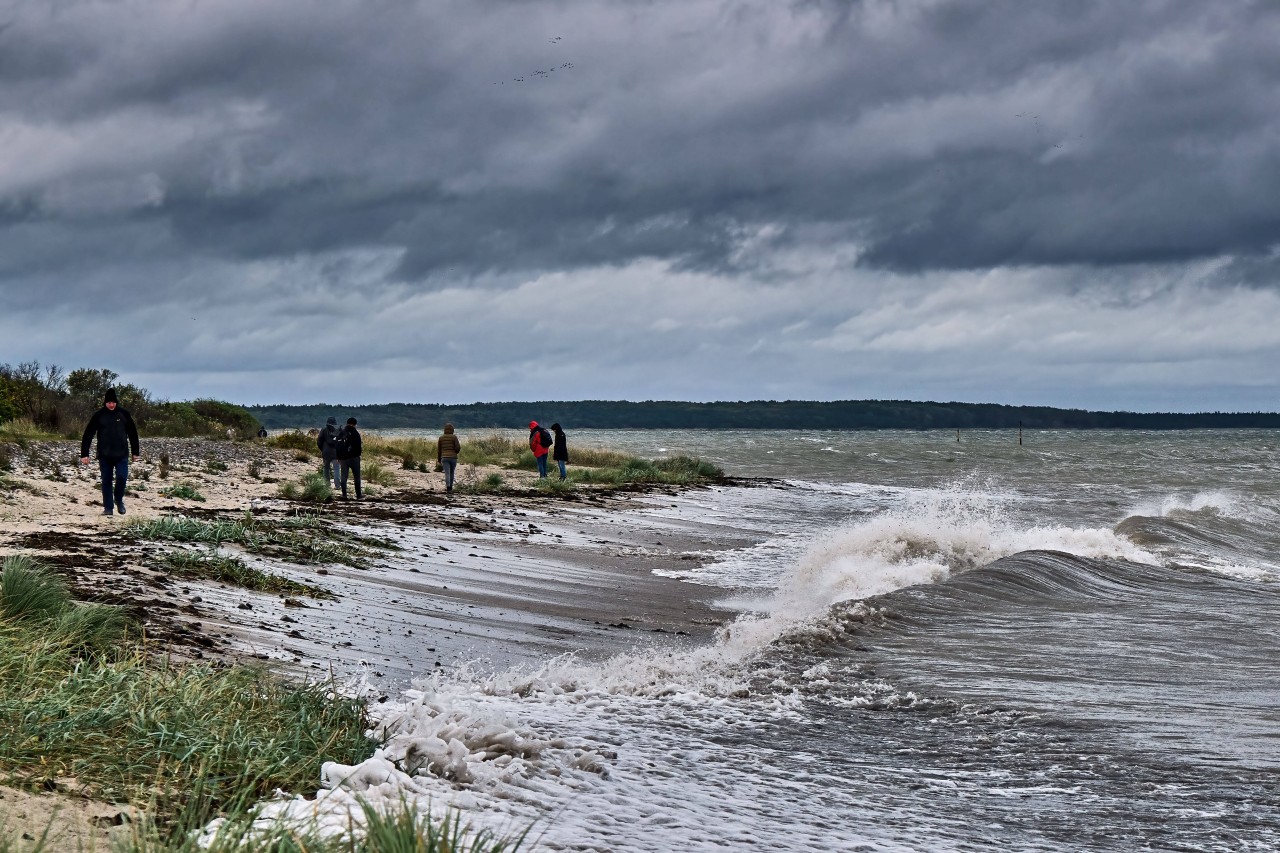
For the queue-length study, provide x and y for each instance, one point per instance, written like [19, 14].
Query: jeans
[120, 468]
[542, 465]
[350, 465]
[449, 466]
[333, 470]
[560, 463]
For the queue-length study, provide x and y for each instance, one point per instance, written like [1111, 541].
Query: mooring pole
[957, 436]
[1019, 432]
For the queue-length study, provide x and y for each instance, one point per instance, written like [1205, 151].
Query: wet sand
[499, 579]
[486, 580]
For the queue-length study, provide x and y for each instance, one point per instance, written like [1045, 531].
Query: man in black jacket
[117, 435]
[349, 446]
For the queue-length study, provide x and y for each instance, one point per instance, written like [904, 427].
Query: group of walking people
[340, 449]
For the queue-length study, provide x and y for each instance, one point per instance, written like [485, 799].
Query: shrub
[255, 469]
[222, 415]
[293, 440]
[6, 457]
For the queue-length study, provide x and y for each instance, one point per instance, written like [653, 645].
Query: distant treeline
[759, 414]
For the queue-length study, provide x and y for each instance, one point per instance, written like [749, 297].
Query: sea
[1046, 641]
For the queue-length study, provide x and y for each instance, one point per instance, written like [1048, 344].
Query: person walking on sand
[349, 446]
[539, 443]
[117, 435]
[447, 449]
[327, 442]
[560, 450]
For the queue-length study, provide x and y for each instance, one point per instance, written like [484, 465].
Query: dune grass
[300, 538]
[314, 487]
[183, 491]
[21, 430]
[210, 565]
[81, 697]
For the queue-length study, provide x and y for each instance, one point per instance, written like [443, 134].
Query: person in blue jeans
[559, 449]
[447, 449]
[540, 444]
[117, 435]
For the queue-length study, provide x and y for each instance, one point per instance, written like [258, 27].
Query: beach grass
[82, 698]
[300, 538]
[376, 473]
[401, 828]
[21, 430]
[183, 491]
[313, 487]
[210, 565]
[676, 471]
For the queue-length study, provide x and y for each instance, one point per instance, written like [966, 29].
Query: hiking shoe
[107, 511]
[120, 508]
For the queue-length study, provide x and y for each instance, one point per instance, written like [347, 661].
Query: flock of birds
[541, 72]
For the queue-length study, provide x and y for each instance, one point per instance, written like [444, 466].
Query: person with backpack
[326, 441]
[447, 449]
[348, 448]
[117, 435]
[560, 449]
[540, 444]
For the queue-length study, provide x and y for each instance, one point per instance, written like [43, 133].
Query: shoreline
[493, 581]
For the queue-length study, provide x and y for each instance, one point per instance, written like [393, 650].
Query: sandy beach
[487, 580]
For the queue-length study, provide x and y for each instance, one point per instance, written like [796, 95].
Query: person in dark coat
[349, 455]
[559, 448]
[117, 435]
[326, 441]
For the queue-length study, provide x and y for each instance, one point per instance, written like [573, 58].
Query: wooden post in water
[1019, 433]
[957, 436]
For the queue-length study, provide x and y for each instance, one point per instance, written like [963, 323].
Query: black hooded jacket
[116, 432]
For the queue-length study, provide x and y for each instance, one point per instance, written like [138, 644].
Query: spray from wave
[926, 539]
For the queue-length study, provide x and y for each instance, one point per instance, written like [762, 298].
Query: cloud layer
[1072, 203]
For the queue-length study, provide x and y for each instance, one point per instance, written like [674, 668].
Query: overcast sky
[1059, 202]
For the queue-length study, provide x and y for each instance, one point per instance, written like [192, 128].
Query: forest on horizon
[758, 414]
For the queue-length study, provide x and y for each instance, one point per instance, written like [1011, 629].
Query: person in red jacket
[540, 444]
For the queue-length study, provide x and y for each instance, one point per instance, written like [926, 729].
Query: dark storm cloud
[936, 135]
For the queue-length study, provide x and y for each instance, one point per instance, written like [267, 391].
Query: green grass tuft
[184, 490]
[312, 488]
[210, 565]
[29, 590]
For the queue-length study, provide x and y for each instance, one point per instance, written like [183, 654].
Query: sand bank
[489, 579]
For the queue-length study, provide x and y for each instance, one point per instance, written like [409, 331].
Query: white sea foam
[925, 540]
[1213, 501]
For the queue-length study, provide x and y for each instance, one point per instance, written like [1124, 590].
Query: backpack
[342, 443]
[544, 437]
